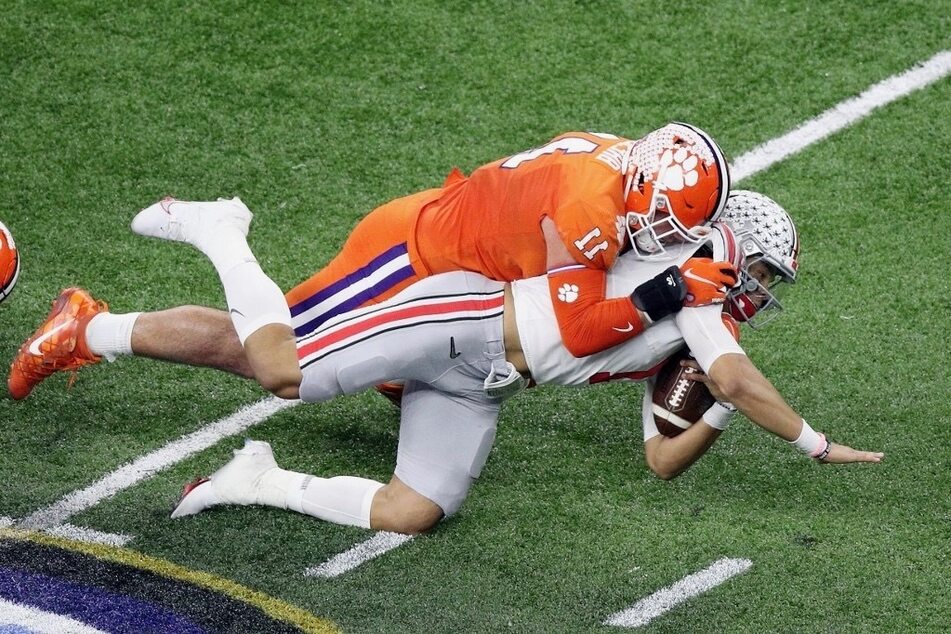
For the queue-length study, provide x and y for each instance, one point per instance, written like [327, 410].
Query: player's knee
[412, 524]
[281, 385]
[402, 510]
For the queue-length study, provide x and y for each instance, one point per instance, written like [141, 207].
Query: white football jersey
[550, 362]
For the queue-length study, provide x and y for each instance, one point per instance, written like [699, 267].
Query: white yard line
[148, 465]
[358, 555]
[89, 535]
[842, 115]
[25, 618]
[666, 599]
[79, 533]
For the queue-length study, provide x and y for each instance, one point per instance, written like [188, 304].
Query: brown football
[678, 401]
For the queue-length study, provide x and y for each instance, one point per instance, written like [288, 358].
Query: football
[9, 262]
[678, 402]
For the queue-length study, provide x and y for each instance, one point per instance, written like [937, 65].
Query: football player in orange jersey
[566, 208]
[464, 343]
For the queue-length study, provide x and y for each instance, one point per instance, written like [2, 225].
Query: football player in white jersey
[463, 344]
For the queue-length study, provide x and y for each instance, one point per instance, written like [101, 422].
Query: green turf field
[314, 113]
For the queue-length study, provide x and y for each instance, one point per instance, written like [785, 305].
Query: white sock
[109, 335]
[227, 248]
[254, 300]
[341, 500]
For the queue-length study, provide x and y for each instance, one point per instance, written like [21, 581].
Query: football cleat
[184, 221]
[237, 482]
[59, 345]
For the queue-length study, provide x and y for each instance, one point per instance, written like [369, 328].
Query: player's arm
[669, 457]
[733, 378]
[587, 320]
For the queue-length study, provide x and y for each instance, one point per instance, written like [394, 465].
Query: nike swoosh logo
[452, 348]
[235, 311]
[689, 273]
[628, 329]
[35, 346]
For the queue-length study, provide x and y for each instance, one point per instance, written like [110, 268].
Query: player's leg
[257, 307]
[437, 334]
[192, 335]
[81, 331]
[375, 263]
[445, 440]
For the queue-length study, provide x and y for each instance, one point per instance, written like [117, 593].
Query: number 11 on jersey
[586, 241]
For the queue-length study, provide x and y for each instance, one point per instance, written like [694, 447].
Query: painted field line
[361, 553]
[78, 533]
[89, 535]
[842, 115]
[666, 599]
[148, 465]
[24, 618]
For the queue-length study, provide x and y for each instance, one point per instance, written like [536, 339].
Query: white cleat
[184, 221]
[237, 482]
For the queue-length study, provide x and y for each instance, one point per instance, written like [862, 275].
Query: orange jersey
[490, 222]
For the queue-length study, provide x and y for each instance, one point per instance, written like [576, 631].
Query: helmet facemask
[766, 235]
[752, 301]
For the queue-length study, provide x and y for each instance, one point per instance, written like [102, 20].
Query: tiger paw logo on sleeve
[568, 293]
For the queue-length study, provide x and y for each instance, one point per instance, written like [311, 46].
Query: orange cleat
[59, 345]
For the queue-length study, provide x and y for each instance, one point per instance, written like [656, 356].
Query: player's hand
[662, 295]
[841, 454]
[699, 376]
[707, 281]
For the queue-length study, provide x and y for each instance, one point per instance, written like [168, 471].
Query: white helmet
[765, 233]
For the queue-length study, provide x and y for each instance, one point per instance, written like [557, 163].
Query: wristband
[822, 455]
[662, 295]
[811, 442]
[719, 415]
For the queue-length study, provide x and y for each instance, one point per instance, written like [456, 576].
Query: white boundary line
[151, 463]
[361, 553]
[666, 599]
[842, 115]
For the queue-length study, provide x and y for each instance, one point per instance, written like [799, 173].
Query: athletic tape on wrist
[810, 442]
[719, 415]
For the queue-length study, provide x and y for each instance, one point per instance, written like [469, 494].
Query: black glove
[662, 295]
